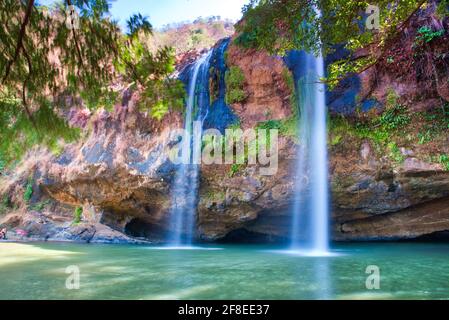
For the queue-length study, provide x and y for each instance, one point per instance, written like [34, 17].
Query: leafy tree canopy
[320, 25]
[72, 49]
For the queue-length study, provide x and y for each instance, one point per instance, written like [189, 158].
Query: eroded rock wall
[120, 174]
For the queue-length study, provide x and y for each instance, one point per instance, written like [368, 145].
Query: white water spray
[185, 188]
[310, 230]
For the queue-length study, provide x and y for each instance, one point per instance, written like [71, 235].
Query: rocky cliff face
[374, 201]
[268, 94]
[120, 174]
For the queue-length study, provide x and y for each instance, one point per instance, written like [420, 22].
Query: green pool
[38, 271]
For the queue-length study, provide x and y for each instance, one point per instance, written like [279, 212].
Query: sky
[162, 12]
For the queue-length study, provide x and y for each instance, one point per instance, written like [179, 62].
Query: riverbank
[35, 227]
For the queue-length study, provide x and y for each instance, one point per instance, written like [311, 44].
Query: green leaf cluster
[77, 215]
[426, 35]
[319, 26]
[28, 191]
[235, 80]
[45, 62]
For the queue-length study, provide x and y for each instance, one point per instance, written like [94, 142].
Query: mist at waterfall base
[310, 230]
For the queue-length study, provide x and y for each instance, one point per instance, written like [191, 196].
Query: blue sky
[161, 12]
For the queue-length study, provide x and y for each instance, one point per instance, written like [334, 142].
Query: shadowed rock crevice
[246, 236]
[428, 220]
[139, 228]
[436, 236]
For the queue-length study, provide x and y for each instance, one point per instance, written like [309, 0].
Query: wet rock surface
[121, 175]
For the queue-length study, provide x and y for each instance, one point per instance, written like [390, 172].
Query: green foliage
[235, 96]
[395, 153]
[197, 36]
[235, 80]
[246, 40]
[287, 127]
[270, 125]
[6, 201]
[290, 81]
[151, 72]
[138, 23]
[226, 57]
[20, 133]
[235, 126]
[5, 204]
[386, 137]
[218, 196]
[251, 148]
[380, 130]
[335, 140]
[57, 149]
[214, 79]
[443, 9]
[376, 134]
[444, 160]
[235, 168]
[434, 123]
[43, 60]
[40, 206]
[427, 35]
[77, 215]
[213, 141]
[32, 75]
[395, 115]
[2, 164]
[282, 25]
[394, 118]
[28, 194]
[424, 137]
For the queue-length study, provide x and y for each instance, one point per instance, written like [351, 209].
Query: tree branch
[387, 43]
[75, 38]
[114, 49]
[24, 85]
[19, 44]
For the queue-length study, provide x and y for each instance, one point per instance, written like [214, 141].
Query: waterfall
[201, 113]
[186, 181]
[310, 230]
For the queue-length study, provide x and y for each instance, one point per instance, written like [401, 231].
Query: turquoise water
[407, 270]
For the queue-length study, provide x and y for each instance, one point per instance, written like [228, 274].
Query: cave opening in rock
[139, 228]
[438, 236]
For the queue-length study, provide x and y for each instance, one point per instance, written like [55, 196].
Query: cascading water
[310, 230]
[186, 181]
[202, 112]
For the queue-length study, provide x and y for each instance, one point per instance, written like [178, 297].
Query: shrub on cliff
[235, 80]
[395, 115]
[28, 191]
[77, 215]
[5, 204]
[2, 164]
[427, 35]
